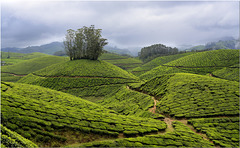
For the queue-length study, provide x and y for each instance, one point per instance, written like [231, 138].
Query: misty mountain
[50, 48]
[228, 43]
[10, 49]
[117, 50]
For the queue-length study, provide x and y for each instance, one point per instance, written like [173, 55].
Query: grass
[189, 95]
[52, 118]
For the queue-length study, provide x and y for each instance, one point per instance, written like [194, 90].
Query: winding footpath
[169, 120]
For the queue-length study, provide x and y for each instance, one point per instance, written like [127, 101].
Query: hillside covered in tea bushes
[208, 62]
[52, 118]
[182, 100]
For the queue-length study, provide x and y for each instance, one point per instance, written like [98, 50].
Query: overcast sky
[125, 24]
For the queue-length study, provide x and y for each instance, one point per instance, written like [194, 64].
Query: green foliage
[85, 43]
[124, 62]
[43, 115]
[128, 102]
[214, 58]
[12, 139]
[112, 56]
[31, 65]
[160, 70]
[190, 95]
[181, 137]
[66, 83]
[222, 131]
[94, 91]
[18, 57]
[9, 77]
[87, 68]
[156, 50]
[228, 73]
[157, 62]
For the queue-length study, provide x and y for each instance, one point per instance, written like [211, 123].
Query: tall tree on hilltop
[85, 43]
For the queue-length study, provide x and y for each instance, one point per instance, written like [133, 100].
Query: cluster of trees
[156, 50]
[85, 43]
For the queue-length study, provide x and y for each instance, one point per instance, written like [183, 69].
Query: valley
[183, 100]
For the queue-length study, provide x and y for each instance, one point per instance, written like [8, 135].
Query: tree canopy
[84, 43]
[156, 50]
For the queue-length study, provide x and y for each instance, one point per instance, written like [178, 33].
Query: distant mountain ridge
[221, 44]
[50, 48]
[53, 47]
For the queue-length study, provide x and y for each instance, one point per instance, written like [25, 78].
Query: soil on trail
[153, 110]
[168, 120]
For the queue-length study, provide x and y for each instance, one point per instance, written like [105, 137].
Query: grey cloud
[124, 23]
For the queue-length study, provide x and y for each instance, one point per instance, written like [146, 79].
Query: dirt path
[169, 120]
[153, 110]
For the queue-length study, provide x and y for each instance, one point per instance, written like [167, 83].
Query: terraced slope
[222, 131]
[52, 118]
[129, 102]
[200, 63]
[124, 62]
[17, 71]
[213, 58]
[80, 74]
[228, 73]
[182, 136]
[157, 62]
[12, 139]
[189, 95]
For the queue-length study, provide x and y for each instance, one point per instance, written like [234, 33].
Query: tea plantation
[157, 62]
[189, 95]
[15, 72]
[183, 100]
[124, 62]
[228, 73]
[12, 139]
[15, 58]
[213, 58]
[204, 63]
[181, 137]
[52, 118]
[222, 131]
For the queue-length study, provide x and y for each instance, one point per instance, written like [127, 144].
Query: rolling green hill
[228, 73]
[52, 118]
[15, 72]
[214, 58]
[82, 78]
[157, 62]
[13, 139]
[182, 136]
[124, 62]
[189, 95]
[18, 57]
[199, 63]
